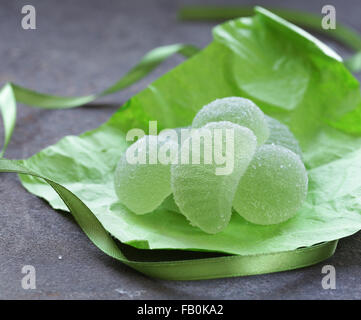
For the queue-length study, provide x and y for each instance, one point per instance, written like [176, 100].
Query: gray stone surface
[81, 47]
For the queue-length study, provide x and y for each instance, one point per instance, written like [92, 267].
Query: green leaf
[342, 33]
[292, 76]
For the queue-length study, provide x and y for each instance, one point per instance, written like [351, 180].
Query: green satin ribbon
[189, 269]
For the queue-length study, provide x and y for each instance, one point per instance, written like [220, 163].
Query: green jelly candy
[237, 110]
[142, 177]
[282, 136]
[273, 188]
[204, 190]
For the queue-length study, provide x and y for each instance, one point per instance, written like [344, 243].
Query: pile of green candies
[267, 184]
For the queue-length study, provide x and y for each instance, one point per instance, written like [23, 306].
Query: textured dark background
[81, 47]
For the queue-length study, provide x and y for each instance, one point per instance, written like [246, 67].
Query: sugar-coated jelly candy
[273, 188]
[237, 110]
[282, 136]
[204, 190]
[141, 181]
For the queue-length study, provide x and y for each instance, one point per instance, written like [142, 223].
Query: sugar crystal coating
[282, 136]
[202, 196]
[142, 187]
[237, 110]
[273, 188]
